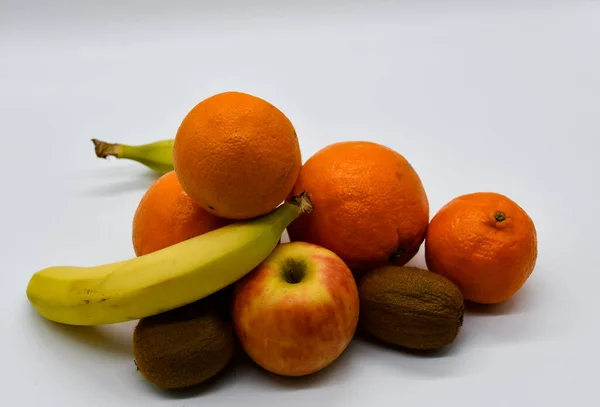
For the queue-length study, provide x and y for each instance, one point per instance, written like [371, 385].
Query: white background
[479, 95]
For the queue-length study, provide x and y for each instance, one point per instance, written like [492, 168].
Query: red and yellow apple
[297, 311]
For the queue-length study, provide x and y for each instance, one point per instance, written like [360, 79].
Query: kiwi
[185, 346]
[410, 307]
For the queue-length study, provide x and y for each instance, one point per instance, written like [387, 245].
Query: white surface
[500, 96]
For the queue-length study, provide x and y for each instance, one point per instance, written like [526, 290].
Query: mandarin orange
[485, 243]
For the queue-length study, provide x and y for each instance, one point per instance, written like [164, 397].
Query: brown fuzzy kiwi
[185, 346]
[410, 307]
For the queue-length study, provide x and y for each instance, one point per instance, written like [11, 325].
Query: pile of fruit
[211, 271]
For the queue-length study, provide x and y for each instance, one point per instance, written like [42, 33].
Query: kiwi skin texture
[410, 307]
[185, 346]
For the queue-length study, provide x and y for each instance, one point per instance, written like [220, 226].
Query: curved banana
[162, 280]
[157, 156]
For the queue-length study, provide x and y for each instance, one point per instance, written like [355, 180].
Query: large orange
[166, 215]
[237, 155]
[370, 207]
[485, 243]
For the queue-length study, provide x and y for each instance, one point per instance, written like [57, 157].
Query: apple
[297, 311]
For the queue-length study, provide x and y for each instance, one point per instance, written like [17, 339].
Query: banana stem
[157, 155]
[104, 149]
[303, 202]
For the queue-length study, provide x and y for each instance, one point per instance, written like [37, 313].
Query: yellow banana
[162, 280]
[157, 156]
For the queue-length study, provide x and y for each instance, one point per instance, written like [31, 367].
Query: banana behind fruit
[157, 156]
[162, 280]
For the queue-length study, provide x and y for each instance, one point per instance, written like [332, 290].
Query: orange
[166, 215]
[485, 243]
[237, 155]
[370, 207]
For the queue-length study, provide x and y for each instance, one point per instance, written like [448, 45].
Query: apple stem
[294, 271]
[291, 277]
